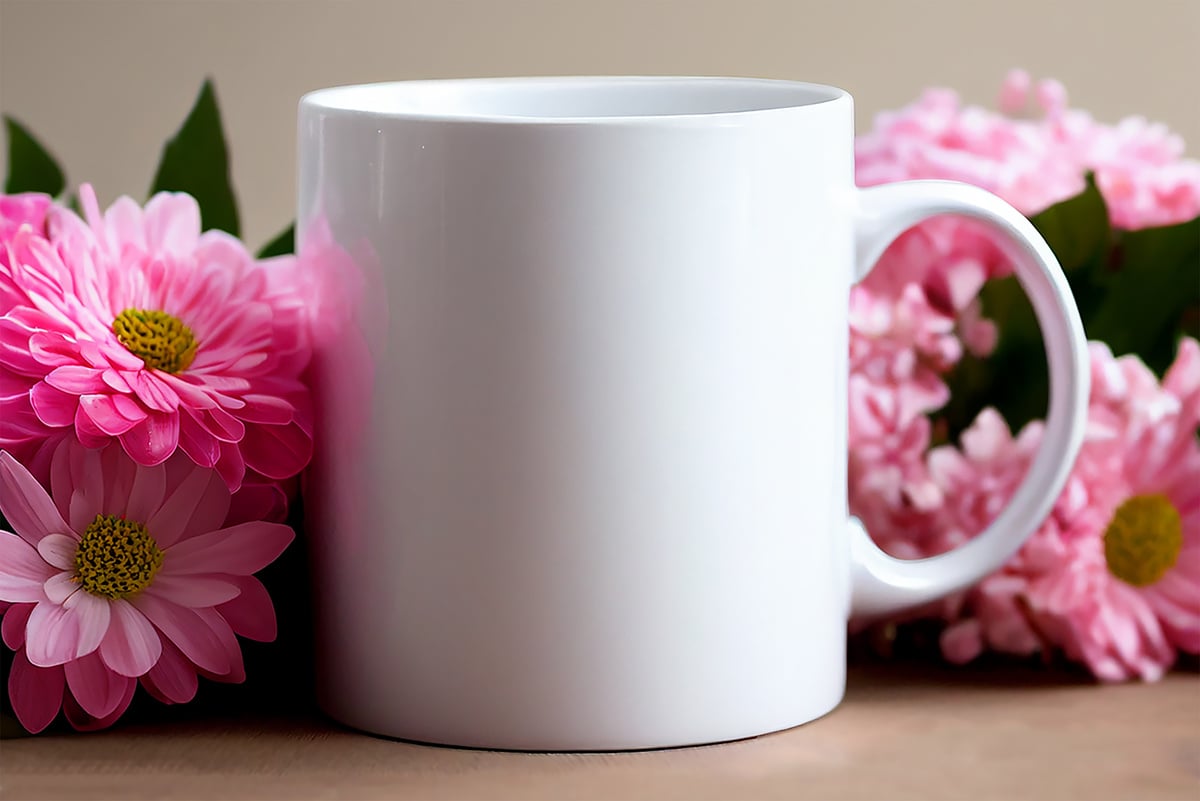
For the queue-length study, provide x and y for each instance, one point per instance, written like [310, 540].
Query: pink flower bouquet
[947, 363]
[154, 416]
[155, 412]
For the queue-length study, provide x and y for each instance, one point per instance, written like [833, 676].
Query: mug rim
[378, 100]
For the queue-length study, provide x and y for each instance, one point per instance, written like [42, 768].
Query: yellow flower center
[116, 558]
[1143, 539]
[159, 339]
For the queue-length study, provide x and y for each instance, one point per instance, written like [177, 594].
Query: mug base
[570, 744]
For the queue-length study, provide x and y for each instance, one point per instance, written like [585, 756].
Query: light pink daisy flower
[135, 326]
[124, 572]
[1113, 576]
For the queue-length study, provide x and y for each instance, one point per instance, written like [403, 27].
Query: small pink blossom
[136, 327]
[899, 348]
[124, 573]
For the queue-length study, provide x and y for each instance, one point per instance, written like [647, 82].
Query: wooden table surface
[903, 732]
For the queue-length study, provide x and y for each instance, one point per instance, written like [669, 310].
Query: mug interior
[572, 98]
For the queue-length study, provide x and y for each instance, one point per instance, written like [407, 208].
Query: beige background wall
[103, 82]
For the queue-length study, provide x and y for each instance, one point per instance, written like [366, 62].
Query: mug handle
[881, 584]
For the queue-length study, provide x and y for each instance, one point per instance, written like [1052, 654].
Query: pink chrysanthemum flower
[1113, 576]
[124, 572]
[135, 326]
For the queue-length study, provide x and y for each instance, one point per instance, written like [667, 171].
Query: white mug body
[580, 479]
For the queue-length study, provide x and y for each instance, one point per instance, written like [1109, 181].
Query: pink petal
[53, 407]
[89, 434]
[173, 679]
[76, 379]
[100, 355]
[249, 362]
[116, 381]
[121, 224]
[191, 394]
[201, 447]
[151, 441]
[156, 394]
[12, 628]
[258, 502]
[251, 614]
[266, 409]
[215, 382]
[115, 355]
[146, 494]
[48, 348]
[61, 481]
[962, 641]
[59, 587]
[103, 412]
[58, 550]
[277, 451]
[172, 224]
[119, 473]
[132, 646]
[222, 425]
[87, 497]
[1183, 377]
[52, 635]
[94, 615]
[25, 504]
[97, 689]
[233, 650]
[82, 721]
[127, 406]
[186, 629]
[21, 426]
[22, 570]
[14, 348]
[13, 388]
[201, 490]
[194, 590]
[36, 693]
[231, 466]
[239, 550]
[211, 510]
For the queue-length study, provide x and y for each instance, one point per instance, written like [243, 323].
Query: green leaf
[196, 161]
[1136, 291]
[1077, 229]
[1156, 283]
[281, 245]
[30, 167]
[1014, 377]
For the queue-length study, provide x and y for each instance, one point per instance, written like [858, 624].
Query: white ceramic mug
[581, 471]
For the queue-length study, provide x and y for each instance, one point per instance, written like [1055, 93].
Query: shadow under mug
[580, 479]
